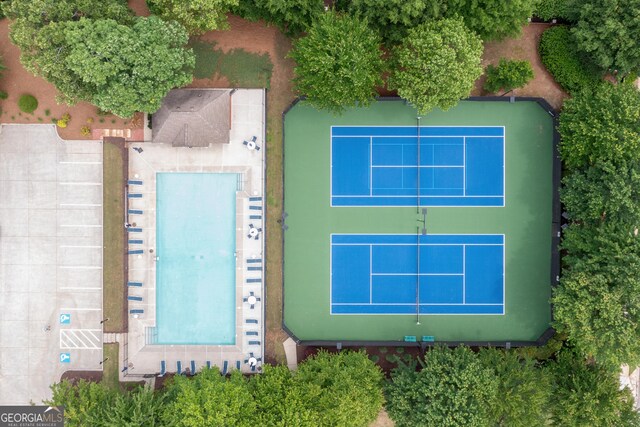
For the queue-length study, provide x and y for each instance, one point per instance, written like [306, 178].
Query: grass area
[241, 68]
[110, 367]
[113, 256]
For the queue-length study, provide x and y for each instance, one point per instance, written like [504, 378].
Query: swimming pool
[195, 269]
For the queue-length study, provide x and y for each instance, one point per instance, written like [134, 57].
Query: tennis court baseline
[379, 165]
[381, 274]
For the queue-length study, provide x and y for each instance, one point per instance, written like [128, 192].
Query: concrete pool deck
[50, 260]
[138, 354]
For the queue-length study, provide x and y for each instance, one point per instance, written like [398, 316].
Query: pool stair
[150, 335]
[138, 284]
[240, 182]
[135, 212]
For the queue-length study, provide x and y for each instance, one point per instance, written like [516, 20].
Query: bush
[27, 103]
[61, 123]
[85, 130]
[3, 94]
[560, 9]
[508, 75]
[560, 56]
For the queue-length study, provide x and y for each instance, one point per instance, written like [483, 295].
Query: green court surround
[528, 222]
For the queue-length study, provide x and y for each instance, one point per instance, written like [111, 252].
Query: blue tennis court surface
[378, 166]
[378, 274]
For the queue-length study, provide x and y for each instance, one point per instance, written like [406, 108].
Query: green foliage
[197, 16]
[88, 403]
[335, 71]
[606, 191]
[452, 389]
[559, 55]
[597, 303]
[3, 94]
[560, 9]
[508, 75]
[393, 18]
[293, 17]
[544, 352]
[346, 387]
[608, 32]
[27, 103]
[492, 19]
[523, 391]
[601, 125]
[132, 79]
[588, 394]
[437, 64]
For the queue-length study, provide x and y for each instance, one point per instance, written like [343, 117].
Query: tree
[197, 16]
[493, 19]
[606, 191]
[508, 75]
[281, 400]
[291, 16]
[608, 32]
[597, 303]
[128, 69]
[437, 64]
[601, 125]
[345, 388]
[208, 399]
[335, 71]
[393, 18]
[523, 389]
[452, 389]
[589, 394]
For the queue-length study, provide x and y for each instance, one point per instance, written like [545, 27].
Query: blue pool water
[195, 272]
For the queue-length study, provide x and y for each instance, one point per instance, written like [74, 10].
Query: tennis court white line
[414, 166]
[421, 274]
[413, 304]
[421, 244]
[422, 197]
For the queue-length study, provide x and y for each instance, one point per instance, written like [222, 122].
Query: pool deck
[50, 260]
[137, 352]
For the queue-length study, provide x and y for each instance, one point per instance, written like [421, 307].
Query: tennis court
[407, 274]
[379, 166]
[403, 226]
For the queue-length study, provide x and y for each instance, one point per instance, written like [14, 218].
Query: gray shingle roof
[193, 118]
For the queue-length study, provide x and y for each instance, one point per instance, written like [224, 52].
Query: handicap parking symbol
[65, 319]
[65, 357]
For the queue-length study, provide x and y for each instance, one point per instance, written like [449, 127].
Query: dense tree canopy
[608, 32]
[598, 300]
[493, 19]
[508, 75]
[601, 125]
[333, 70]
[197, 16]
[452, 389]
[291, 16]
[437, 64]
[588, 394]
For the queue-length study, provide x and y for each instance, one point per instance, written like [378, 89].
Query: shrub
[47, 112]
[374, 358]
[61, 123]
[560, 9]
[508, 75]
[85, 130]
[3, 94]
[560, 56]
[27, 103]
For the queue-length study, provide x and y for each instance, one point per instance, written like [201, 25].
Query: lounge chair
[257, 147]
[135, 252]
[138, 284]
[208, 364]
[255, 208]
[134, 298]
[225, 367]
[136, 311]
[254, 138]
[238, 365]
[253, 260]
[254, 280]
[251, 333]
[134, 230]
[245, 142]
[252, 321]
[254, 342]
[254, 268]
[255, 216]
[255, 199]
[179, 367]
[135, 211]
[134, 195]
[163, 368]
[134, 182]
[193, 367]
[136, 242]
